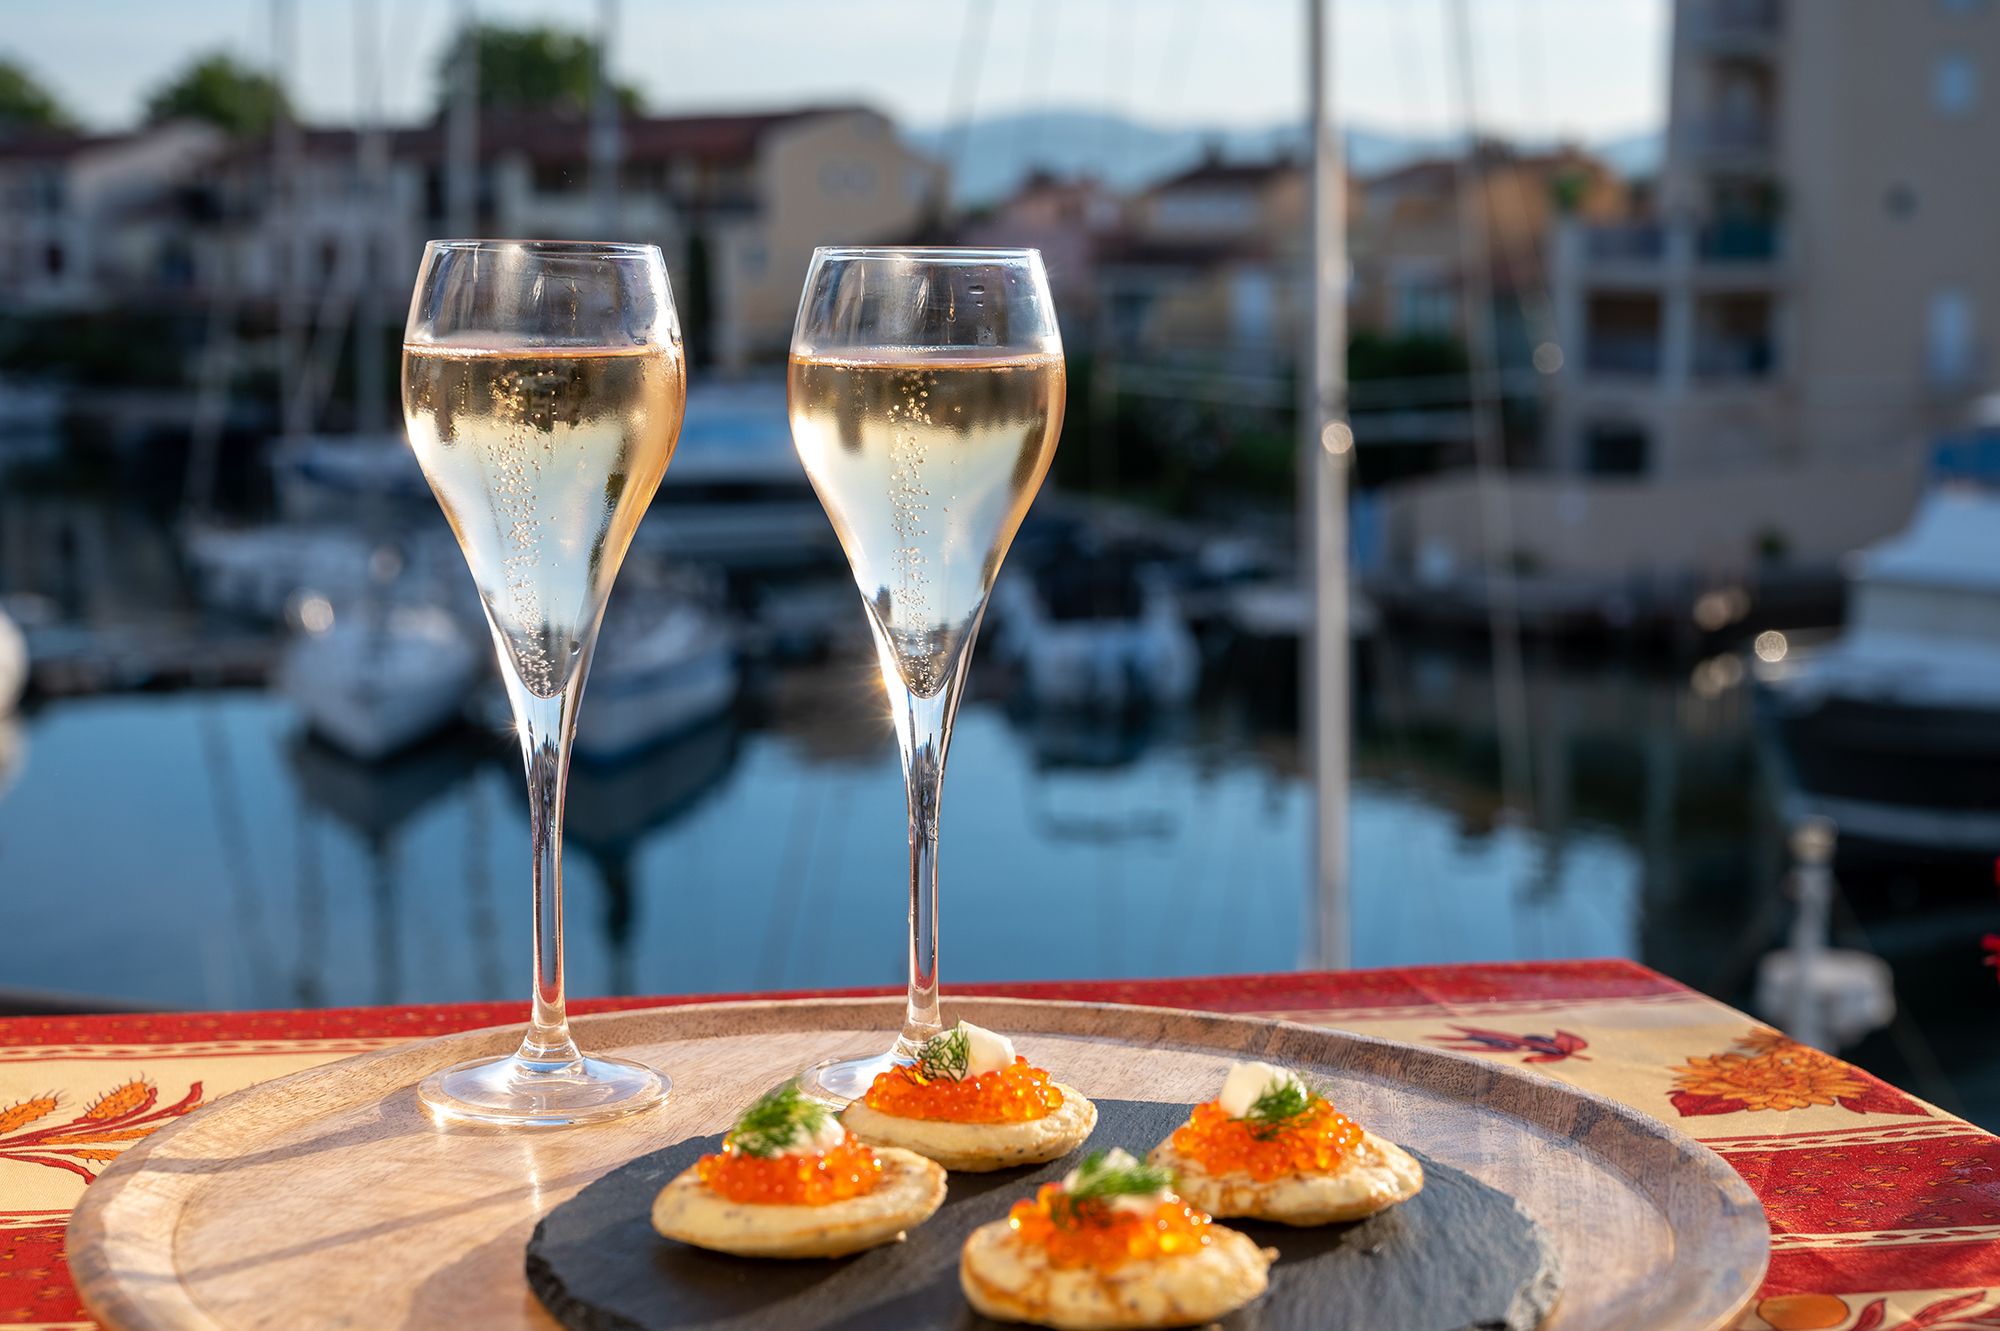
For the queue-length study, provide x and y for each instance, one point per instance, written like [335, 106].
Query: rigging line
[964, 95]
[1527, 270]
[1179, 51]
[1423, 860]
[1489, 447]
[482, 925]
[1036, 57]
[232, 833]
[309, 975]
[1119, 130]
[1534, 65]
[287, 181]
[1416, 93]
[787, 914]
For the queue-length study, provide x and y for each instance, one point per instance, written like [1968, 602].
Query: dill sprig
[1283, 1103]
[776, 1120]
[945, 1056]
[1104, 1175]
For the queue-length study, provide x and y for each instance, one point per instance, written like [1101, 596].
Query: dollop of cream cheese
[1142, 1203]
[811, 1141]
[985, 1051]
[1247, 1082]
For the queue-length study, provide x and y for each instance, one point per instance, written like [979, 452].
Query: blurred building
[1207, 261]
[1752, 373]
[736, 201]
[85, 218]
[1072, 222]
[1405, 239]
[1818, 284]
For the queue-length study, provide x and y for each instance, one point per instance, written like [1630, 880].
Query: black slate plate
[1459, 1256]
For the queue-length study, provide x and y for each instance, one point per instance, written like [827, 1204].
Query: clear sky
[1584, 68]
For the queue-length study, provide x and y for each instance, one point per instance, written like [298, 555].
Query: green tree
[531, 69]
[26, 104]
[218, 89]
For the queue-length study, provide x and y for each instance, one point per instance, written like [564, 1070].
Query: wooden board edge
[97, 1256]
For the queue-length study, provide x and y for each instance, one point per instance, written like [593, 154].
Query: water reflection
[373, 802]
[615, 808]
[766, 850]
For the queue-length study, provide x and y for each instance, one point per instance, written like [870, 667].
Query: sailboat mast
[604, 146]
[1326, 445]
[372, 168]
[294, 408]
[461, 162]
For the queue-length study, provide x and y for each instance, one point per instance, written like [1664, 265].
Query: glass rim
[603, 249]
[930, 253]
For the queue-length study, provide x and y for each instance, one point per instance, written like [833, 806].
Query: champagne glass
[926, 393]
[543, 387]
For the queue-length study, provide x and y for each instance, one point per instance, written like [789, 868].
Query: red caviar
[1096, 1234]
[1315, 1142]
[1014, 1094]
[814, 1179]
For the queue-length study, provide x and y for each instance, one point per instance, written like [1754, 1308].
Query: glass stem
[929, 734]
[546, 726]
[923, 732]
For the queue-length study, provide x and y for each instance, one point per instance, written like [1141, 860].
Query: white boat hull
[371, 692]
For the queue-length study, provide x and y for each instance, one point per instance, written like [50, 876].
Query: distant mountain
[1634, 154]
[997, 153]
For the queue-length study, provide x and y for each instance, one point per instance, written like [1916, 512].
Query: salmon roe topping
[1315, 1142]
[813, 1179]
[1095, 1234]
[1014, 1094]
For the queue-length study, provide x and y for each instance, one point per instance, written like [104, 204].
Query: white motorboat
[1893, 728]
[13, 664]
[377, 679]
[735, 494]
[255, 572]
[1119, 641]
[30, 420]
[664, 665]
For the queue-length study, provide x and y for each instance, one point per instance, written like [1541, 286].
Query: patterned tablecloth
[1885, 1211]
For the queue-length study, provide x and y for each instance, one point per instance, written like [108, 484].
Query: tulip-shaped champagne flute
[543, 388]
[926, 394]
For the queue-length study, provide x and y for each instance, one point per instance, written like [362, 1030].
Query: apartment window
[52, 260]
[1622, 333]
[847, 179]
[1422, 298]
[1252, 308]
[554, 178]
[1615, 449]
[1954, 84]
[1949, 338]
[1205, 211]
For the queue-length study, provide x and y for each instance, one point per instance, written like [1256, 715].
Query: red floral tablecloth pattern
[1885, 1211]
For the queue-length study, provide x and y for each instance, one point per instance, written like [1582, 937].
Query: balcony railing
[1737, 241]
[1626, 242]
[1624, 251]
[1743, 356]
[1735, 22]
[1734, 136]
[1622, 353]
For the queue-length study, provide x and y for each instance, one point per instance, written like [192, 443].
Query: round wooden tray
[328, 1197]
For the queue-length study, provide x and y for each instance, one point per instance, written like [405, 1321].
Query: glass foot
[515, 1093]
[842, 1080]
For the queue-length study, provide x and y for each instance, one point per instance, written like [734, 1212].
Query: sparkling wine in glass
[926, 394]
[543, 387]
